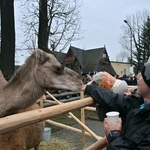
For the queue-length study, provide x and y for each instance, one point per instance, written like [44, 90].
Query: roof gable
[78, 53]
[92, 60]
[59, 55]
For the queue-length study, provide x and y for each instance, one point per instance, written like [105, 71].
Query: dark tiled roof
[59, 55]
[88, 59]
[78, 53]
[91, 58]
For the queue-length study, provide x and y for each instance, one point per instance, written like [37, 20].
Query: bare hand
[111, 126]
[128, 93]
[84, 86]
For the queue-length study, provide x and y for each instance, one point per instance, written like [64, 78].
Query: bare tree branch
[64, 23]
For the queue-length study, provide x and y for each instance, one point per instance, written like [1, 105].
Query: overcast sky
[102, 21]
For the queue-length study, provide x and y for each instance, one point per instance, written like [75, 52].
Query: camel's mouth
[56, 90]
[64, 88]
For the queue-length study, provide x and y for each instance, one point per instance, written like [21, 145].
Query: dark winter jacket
[135, 121]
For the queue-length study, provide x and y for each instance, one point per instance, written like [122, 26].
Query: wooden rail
[98, 145]
[26, 118]
[82, 121]
[23, 119]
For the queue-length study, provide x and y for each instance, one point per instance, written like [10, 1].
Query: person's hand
[127, 92]
[84, 86]
[89, 83]
[111, 126]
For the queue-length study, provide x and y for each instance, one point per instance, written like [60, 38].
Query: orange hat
[104, 79]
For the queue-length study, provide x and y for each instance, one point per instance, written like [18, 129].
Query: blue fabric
[142, 106]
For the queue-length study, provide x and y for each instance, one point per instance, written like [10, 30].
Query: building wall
[121, 68]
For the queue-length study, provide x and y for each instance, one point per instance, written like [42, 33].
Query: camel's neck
[21, 92]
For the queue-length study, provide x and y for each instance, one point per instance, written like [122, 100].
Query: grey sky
[102, 21]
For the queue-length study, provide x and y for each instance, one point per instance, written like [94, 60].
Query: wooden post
[90, 108]
[98, 145]
[83, 121]
[66, 127]
[42, 100]
[76, 119]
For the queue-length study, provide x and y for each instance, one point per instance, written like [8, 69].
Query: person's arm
[122, 142]
[114, 136]
[116, 139]
[112, 130]
[118, 102]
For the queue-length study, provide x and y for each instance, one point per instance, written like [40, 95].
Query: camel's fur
[41, 71]
[2, 80]
[22, 138]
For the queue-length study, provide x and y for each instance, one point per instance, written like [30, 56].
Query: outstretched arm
[104, 97]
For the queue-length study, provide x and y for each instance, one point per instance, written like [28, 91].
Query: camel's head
[51, 75]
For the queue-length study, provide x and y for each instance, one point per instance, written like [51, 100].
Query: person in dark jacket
[106, 80]
[132, 131]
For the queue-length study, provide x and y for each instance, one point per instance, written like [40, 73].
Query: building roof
[91, 58]
[78, 53]
[88, 59]
[59, 55]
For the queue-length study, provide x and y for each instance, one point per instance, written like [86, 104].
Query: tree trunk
[7, 53]
[43, 25]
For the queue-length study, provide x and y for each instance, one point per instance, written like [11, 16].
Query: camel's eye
[59, 69]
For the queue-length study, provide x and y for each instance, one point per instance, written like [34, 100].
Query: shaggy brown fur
[22, 138]
[2, 80]
[41, 71]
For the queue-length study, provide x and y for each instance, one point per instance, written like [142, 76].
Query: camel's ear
[40, 56]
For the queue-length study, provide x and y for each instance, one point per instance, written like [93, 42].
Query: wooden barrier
[90, 108]
[82, 122]
[66, 127]
[23, 119]
[98, 145]
[26, 118]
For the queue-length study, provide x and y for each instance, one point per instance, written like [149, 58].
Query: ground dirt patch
[56, 144]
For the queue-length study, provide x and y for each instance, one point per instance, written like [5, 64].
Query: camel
[2, 80]
[22, 135]
[40, 72]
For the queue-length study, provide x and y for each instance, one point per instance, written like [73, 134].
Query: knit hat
[120, 86]
[104, 79]
[146, 73]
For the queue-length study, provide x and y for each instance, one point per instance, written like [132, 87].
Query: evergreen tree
[138, 54]
[145, 40]
[142, 45]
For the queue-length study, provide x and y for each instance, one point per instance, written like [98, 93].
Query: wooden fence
[26, 118]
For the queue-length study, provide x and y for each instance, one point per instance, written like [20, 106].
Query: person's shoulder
[136, 101]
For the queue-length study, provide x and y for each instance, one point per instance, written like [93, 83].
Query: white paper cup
[113, 116]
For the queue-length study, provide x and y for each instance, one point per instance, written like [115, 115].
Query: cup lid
[112, 113]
